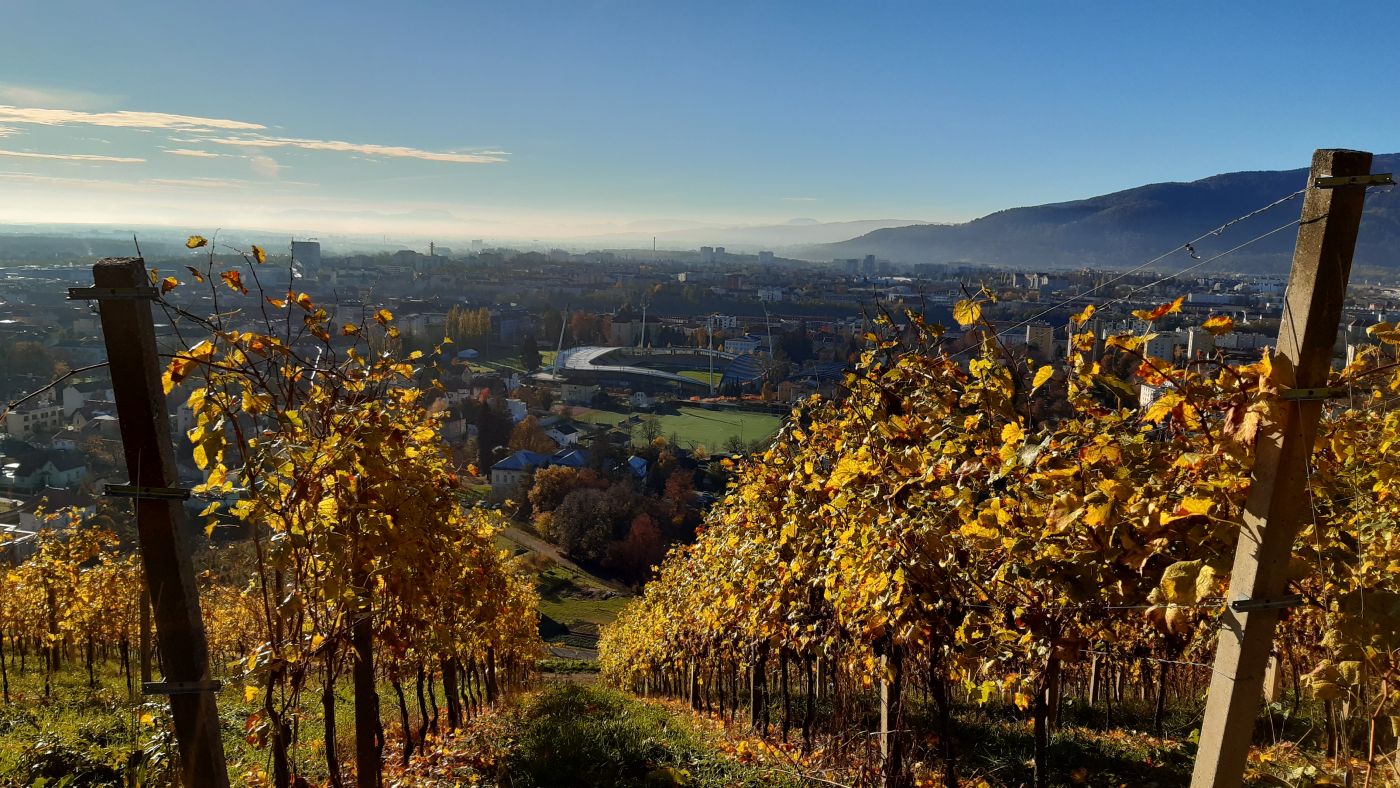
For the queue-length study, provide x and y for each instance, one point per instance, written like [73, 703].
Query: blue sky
[520, 119]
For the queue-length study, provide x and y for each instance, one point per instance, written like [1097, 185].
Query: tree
[530, 436]
[928, 526]
[551, 486]
[530, 353]
[643, 548]
[582, 525]
[364, 558]
[553, 323]
[493, 431]
[797, 344]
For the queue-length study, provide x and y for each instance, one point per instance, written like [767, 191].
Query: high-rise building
[1041, 338]
[765, 258]
[308, 253]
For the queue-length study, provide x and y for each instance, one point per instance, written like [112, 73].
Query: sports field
[696, 426]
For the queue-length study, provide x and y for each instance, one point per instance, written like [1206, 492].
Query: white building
[26, 422]
[1163, 346]
[518, 410]
[578, 393]
[1199, 343]
[564, 434]
[741, 345]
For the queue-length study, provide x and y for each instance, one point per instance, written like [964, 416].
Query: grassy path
[571, 735]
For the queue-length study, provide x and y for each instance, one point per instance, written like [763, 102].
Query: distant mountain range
[1127, 228]
[745, 238]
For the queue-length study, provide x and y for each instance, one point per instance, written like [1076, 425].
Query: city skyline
[575, 120]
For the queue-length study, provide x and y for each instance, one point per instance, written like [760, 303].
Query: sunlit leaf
[1219, 324]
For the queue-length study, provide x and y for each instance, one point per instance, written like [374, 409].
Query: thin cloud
[203, 183]
[52, 97]
[368, 149]
[8, 131]
[122, 119]
[72, 157]
[801, 199]
[199, 154]
[266, 166]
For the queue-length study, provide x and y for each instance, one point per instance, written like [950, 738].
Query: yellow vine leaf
[1159, 312]
[196, 241]
[1163, 406]
[1220, 324]
[1042, 376]
[1012, 433]
[259, 254]
[967, 312]
[234, 280]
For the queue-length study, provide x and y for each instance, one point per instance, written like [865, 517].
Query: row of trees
[463, 325]
[364, 563]
[930, 531]
[75, 595]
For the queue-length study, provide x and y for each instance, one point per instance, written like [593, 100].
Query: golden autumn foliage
[927, 513]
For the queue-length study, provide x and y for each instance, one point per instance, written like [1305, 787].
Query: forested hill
[1126, 228]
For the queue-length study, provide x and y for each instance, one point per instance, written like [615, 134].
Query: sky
[567, 119]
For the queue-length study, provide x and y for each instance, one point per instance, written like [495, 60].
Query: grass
[100, 736]
[702, 375]
[693, 426]
[552, 665]
[583, 735]
[574, 606]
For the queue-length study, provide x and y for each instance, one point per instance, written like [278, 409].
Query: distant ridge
[749, 238]
[1127, 228]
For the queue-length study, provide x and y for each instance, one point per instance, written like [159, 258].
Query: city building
[28, 421]
[577, 393]
[1040, 339]
[308, 253]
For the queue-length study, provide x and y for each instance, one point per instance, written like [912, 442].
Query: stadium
[653, 370]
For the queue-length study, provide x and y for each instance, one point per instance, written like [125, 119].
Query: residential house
[563, 433]
[578, 393]
[31, 420]
[24, 468]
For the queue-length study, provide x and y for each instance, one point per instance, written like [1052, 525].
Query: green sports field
[693, 426]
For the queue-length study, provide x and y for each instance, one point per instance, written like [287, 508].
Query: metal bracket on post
[132, 491]
[180, 687]
[1375, 179]
[1304, 395]
[1254, 605]
[113, 294]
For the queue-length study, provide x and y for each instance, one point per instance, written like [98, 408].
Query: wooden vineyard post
[1278, 502]
[124, 293]
[891, 717]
